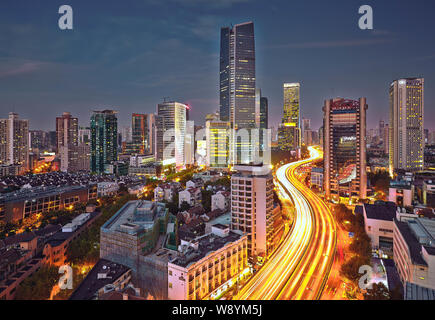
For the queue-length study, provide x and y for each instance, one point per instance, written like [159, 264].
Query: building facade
[104, 142]
[171, 131]
[237, 86]
[345, 148]
[252, 206]
[14, 141]
[406, 145]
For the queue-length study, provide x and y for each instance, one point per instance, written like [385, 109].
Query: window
[170, 285]
[170, 272]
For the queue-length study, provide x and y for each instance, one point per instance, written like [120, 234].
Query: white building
[401, 193]
[221, 200]
[107, 188]
[191, 195]
[252, 206]
[378, 223]
[206, 263]
[414, 251]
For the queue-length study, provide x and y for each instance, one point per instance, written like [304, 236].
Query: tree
[350, 269]
[39, 285]
[361, 245]
[378, 292]
[184, 206]
[206, 200]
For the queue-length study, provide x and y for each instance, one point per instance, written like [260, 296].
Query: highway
[299, 268]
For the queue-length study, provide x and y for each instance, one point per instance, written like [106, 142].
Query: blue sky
[130, 54]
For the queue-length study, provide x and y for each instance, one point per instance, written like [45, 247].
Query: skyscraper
[104, 139]
[14, 141]
[170, 133]
[237, 84]
[406, 124]
[344, 124]
[67, 137]
[142, 137]
[264, 113]
[291, 115]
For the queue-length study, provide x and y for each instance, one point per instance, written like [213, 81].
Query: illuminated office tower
[344, 148]
[291, 116]
[406, 124]
[218, 142]
[142, 134]
[14, 141]
[237, 86]
[104, 139]
[67, 138]
[171, 130]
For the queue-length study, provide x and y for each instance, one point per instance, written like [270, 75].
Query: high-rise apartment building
[14, 141]
[252, 206]
[104, 141]
[237, 86]
[344, 148]
[67, 138]
[406, 124]
[170, 132]
[189, 143]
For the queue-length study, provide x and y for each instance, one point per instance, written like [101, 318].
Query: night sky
[129, 54]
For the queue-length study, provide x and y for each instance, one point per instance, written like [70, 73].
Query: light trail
[300, 266]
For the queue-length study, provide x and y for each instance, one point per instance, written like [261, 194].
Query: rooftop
[135, 215]
[381, 211]
[103, 273]
[206, 245]
[411, 241]
[416, 292]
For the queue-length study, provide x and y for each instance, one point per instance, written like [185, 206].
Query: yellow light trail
[300, 266]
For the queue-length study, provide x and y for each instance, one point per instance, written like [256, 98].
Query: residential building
[221, 200]
[206, 263]
[191, 195]
[406, 124]
[14, 141]
[252, 206]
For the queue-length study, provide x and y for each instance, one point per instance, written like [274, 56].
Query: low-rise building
[401, 192]
[378, 223]
[206, 263]
[221, 200]
[192, 196]
[15, 206]
[317, 177]
[107, 188]
[414, 251]
[429, 193]
[106, 276]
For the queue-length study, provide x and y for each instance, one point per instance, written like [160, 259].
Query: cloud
[22, 68]
[331, 44]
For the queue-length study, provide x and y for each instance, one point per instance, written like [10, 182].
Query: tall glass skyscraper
[104, 142]
[406, 124]
[237, 83]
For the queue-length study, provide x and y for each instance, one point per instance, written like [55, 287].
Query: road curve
[300, 266]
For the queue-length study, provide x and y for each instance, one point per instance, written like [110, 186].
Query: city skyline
[61, 75]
